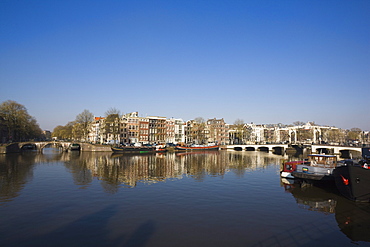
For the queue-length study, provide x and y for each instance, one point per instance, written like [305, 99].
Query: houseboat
[139, 149]
[352, 178]
[319, 168]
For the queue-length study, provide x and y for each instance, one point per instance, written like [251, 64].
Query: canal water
[224, 198]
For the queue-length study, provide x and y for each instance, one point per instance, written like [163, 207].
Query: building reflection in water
[115, 171]
[120, 170]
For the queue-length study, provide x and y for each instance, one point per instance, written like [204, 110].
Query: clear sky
[259, 61]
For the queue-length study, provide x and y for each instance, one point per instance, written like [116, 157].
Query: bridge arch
[27, 146]
[348, 153]
[44, 145]
[264, 149]
[344, 151]
[278, 150]
[325, 150]
[39, 146]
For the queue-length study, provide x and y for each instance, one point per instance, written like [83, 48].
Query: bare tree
[112, 111]
[239, 130]
[354, 134]
[198, 130]
[112, 123]
[334, 136]
[199, 120]
[304, 135]
[84, 120]
[298, 123]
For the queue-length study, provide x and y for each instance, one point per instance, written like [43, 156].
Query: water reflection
[353, 218]
[221, 198]
[126, 171]
[116, 171]
[15, 172]
[313, 198]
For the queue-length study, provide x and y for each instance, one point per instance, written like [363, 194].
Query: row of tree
[79, 128]
[16, 124]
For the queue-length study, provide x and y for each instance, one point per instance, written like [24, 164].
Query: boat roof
[295, 162]
[322, 155]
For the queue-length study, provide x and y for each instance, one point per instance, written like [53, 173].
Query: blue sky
[259, 61]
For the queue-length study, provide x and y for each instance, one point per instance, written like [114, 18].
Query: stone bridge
[276, 148]
[339, 150]
[63, 146]
[41, 145]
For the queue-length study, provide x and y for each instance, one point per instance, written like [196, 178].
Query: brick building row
[130, 128]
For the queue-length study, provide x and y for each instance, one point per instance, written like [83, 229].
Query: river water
[224, 198]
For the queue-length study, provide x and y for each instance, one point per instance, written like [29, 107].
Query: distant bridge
[346, 150]
[281, 148]
[276, 148]
[39, 146]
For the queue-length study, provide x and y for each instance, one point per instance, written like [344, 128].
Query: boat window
[322, 161]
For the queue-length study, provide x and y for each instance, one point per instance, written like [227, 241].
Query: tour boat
[352, 178]
[319, 168]
[289, 167]
[197, 148]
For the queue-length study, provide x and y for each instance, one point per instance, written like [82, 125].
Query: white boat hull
[286, 175]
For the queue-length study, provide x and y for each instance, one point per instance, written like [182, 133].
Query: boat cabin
[323, 161]
[319, 168]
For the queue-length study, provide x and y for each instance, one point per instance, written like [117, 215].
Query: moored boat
[197, 148]
[131, 149]
[289, 167]
[141, 149]
[319, 168]
[352, 179]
